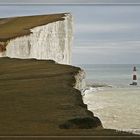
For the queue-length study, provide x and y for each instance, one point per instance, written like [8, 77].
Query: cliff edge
[38, 98]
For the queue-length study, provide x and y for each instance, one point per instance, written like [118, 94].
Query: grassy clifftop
[19, 26]
[37, 98]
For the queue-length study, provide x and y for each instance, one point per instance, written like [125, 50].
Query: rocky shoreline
[38, 97]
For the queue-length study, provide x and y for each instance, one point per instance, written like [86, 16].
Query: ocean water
[118, 106]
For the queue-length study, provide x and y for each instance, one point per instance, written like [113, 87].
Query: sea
[111, 97]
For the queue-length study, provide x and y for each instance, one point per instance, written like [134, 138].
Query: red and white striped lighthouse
[134, 76]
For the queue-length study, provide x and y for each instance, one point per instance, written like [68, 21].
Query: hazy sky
[70, 1]
[103, 34]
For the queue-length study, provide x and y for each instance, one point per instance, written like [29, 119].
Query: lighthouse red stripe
[134, 77]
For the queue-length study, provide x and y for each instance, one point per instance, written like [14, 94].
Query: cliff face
[50, 41]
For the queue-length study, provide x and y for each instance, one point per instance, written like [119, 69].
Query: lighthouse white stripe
[134, 73]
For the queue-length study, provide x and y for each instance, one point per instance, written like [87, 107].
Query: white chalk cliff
[51, 41]
[80, 82]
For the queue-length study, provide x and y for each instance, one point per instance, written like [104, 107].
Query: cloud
[107, 53]
[102, 27]
[108, 48]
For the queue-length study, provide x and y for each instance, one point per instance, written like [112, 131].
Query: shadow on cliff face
[2, 47]
[82, 123]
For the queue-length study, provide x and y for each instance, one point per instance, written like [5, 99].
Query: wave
[112, 85]
[96, 85]
[134, 131]
[90, 89]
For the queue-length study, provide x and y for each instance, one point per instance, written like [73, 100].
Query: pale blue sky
[103, 33]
